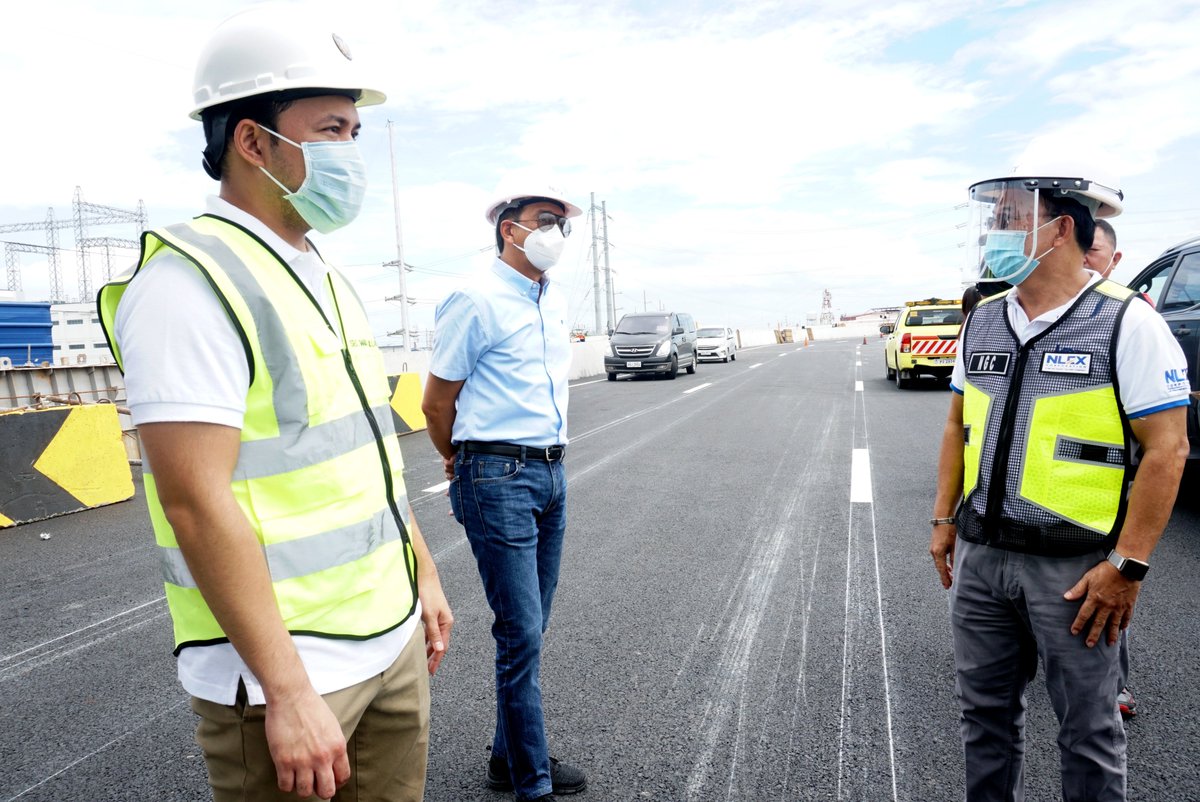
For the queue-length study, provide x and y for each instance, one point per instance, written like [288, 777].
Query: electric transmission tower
[84, 215]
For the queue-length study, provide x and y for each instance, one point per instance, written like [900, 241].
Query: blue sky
[752, 154]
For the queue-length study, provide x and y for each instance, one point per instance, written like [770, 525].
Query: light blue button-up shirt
[507, 339]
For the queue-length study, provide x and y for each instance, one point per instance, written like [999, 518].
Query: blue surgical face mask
[1004, 255]
[335, 183]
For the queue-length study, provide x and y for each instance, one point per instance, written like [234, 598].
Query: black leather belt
[547, 454]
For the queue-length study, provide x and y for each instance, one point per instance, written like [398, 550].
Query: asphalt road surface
[747, 611]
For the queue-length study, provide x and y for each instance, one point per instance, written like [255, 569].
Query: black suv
[1172, 283]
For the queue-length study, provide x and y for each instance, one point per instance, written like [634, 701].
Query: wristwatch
[1129, 567]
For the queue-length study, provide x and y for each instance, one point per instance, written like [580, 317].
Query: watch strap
[1134, 570]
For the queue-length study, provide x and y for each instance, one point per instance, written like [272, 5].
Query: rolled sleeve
[459, 337]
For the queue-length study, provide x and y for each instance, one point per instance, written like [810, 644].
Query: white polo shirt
[1149, 359]
[184, 361]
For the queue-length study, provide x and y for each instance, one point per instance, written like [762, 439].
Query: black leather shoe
[565, 778]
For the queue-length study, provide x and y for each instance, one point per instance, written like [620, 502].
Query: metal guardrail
[27, 386]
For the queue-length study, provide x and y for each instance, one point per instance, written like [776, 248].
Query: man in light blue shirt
[496, 409]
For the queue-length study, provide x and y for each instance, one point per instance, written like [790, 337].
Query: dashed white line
[860, 476]
[858, 386]
[699, 387]
[755, 365]
[437, 488]
[858, 363]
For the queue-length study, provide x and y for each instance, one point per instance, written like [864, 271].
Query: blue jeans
[1007, 610]
[515, 514]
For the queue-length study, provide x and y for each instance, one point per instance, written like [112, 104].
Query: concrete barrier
[59, 460]
[587, 359]
[406, 402]
[749, 338]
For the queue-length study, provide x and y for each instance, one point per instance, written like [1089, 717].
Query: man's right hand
[307, 745]
[941, 547]
[448, 466]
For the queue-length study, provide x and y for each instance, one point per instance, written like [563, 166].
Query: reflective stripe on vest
[1047, 451]
[318, 473]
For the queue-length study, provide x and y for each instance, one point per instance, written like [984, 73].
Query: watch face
[1132, 569]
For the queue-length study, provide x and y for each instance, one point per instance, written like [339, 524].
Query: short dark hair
[1085, 224]
[513, 211]
[221, 121]
[971, 296]
[1107, 228]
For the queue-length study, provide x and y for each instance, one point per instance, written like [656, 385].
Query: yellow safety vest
[318, 474]
[1047, 457]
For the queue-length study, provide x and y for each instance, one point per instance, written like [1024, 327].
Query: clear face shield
[1006, 216]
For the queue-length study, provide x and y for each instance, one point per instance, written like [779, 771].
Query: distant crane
[84, 214]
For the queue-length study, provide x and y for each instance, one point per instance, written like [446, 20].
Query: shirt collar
[1057, 312]
[530, 289]
[220, 207]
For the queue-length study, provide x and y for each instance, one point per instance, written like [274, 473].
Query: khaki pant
[385, 720]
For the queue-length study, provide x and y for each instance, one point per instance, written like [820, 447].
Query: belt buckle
[555, 453]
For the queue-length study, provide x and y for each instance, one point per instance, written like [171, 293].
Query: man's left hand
[1108, 600]
[436, 618]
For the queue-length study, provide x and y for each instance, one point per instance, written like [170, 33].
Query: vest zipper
[998, 482]
[383, 458]
[389, 486]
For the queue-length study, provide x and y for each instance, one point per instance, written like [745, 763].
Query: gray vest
[1054, 443]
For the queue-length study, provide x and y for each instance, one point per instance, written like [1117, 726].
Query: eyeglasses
[548, 220]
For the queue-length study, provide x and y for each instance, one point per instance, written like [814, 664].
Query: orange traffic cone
[864, 339]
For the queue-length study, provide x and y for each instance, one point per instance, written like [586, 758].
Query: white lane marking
[860, 475]
[94, 752]
[858, 386]
[858, 363]
[887, 685]
[755, 365]
[102, 621]
[437, 488]
[700, 387]
[593, 381]
[782, 354]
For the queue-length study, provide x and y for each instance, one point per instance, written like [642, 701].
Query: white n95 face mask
[335, 183]
[542, 248]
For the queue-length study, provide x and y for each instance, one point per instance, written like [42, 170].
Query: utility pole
[595, 265]
[612, 300]
[399, 242]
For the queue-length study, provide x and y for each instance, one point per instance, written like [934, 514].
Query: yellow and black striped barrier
[59, 460]
[406, 402]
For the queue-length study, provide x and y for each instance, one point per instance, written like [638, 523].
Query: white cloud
[752, 153]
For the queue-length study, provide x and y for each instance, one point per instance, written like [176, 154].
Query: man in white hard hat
[296, 575]
[1037, 531]
[496, 409]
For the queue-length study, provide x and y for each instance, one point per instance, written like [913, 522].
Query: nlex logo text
[1067, 360]
[1175, 376]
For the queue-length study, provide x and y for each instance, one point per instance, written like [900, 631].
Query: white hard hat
[270, 48]
[1067, 168]
[1100, 198]
[509, 196]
